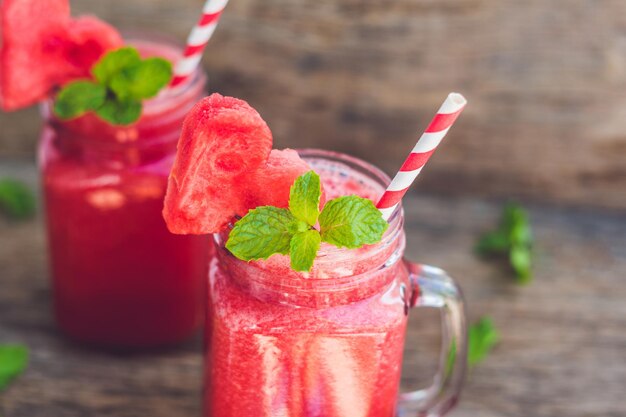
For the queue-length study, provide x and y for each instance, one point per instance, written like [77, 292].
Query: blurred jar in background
[120, 278]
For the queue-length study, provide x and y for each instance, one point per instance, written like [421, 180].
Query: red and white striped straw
[197, 40]
[424, 148]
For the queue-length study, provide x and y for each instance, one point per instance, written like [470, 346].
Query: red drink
[120, 279]
[324, 344]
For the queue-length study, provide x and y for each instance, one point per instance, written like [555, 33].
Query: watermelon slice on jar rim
[225, 166]
[42, 47]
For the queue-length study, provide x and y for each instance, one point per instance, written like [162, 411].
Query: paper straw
[424, 148]
[197, 40]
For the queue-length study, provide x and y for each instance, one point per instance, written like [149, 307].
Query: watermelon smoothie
[120, 278]
[325, 343]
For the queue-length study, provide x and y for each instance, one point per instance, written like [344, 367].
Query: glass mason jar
[119, 278]
[329, 342]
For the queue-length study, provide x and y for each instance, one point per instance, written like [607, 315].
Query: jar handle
[432, 287]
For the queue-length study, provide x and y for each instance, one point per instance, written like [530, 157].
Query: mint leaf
[514, 239]
[351, 222]
[304, 197]
[122, 81]
[13, 361]
[120, 112]
[79, 97]
[482, 337]
[494, 242]
[17, 201]
[520, 259]
[262, 232]
[517, 225]
[113, 62]
[143, 80]
[348, 221]
[451, 358]
[303, 249]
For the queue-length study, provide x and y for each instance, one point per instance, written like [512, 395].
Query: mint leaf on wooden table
[514, 239]
[482, 337]
[348, 221]
[17, 201]
[493, 243]
[521, 262]
[450, 358]
[121, 81]
[13, 361]
[351, 222]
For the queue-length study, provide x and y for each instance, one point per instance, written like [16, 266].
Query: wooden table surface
[563, 348]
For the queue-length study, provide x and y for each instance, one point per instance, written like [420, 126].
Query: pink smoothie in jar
[322, 344]
[120, 278]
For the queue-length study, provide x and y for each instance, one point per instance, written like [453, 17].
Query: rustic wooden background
[546, 81]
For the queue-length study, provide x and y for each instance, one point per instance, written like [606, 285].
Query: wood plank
[563, 349]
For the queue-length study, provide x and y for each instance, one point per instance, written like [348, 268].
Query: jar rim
[375, 258]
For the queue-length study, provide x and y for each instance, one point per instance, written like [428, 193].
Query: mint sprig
[13, 361]
[513, 240]
[121, 81]
[348, 221]
[482, 337]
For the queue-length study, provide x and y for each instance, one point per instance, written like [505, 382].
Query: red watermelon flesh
[222, 141]
[270, 184]
[42, 47]
[24, 75]
[86, 40]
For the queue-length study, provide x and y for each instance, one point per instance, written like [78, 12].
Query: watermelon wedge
[86, 39]
[24, 25]
[223, 140]
[270, 184]
[42, 47]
